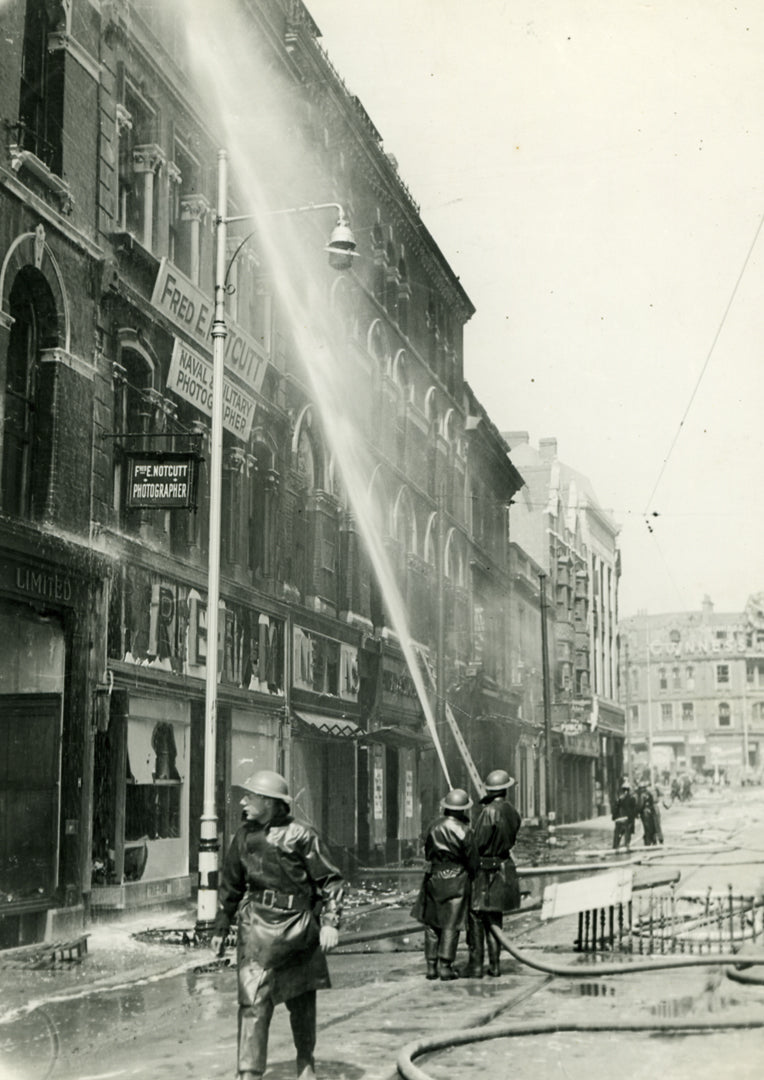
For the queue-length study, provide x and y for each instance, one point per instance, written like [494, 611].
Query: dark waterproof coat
[496, 887]
[649, 815]
[283, 886]
[625, 807]
[449, 848]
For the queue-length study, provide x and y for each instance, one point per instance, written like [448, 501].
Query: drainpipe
[550, 812]
[284, 747]
[440, 675]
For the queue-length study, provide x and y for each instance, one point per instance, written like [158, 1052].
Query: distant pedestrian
[624, 816]
[443, 900]
[676, 789]
[657, 801]
[277, 876]
[496, 888]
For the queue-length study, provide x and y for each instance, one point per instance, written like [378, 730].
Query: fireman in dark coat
[649, 814]
[443, 899]
[624, 816]
[495, 889]
[288, 896]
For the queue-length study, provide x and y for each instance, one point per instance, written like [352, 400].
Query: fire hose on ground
[732, 961]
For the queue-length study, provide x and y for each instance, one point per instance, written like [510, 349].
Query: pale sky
[593, 170]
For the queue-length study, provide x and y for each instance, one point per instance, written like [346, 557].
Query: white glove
[329, 938]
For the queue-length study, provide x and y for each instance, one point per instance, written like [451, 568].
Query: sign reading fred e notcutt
[161, 480]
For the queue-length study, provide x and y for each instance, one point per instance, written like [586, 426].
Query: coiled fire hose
[409, 1071]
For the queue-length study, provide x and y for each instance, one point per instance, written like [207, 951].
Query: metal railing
[660, 921]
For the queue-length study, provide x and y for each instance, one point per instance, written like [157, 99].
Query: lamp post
[341, 250]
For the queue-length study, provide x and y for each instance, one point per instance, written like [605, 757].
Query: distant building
[694, 687]
[556, 520]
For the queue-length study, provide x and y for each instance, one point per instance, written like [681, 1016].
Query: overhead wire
[704, 368]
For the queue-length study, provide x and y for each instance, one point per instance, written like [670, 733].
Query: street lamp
[342, 250]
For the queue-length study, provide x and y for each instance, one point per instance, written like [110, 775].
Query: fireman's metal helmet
[498, 780]
[456, 799]
[272, 784]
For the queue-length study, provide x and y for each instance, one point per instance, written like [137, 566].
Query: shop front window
[152, 799]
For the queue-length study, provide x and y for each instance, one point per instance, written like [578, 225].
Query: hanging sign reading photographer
[161, 481]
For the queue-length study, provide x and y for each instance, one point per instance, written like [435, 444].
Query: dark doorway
[391, 801]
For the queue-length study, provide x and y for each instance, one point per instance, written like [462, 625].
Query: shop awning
[395, 736]
[338, 726]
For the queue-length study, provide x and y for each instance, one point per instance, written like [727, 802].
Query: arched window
[430, 547]
[263, 488]
[378, 346]
[34, 328]
[405, 523]
[312, 558]
[454, 561]
[378, 251]
[391, 282]
[307, 462]
[404, 295]
[133, 418]
[344, 304]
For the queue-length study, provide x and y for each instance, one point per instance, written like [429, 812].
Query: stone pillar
[194, 210]
[148, 161]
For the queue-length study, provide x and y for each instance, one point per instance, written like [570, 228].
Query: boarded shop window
[316, 662]
[30, 726]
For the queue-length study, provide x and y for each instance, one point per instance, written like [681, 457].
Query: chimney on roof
[548, 449]
[707, 607]
[516, 438]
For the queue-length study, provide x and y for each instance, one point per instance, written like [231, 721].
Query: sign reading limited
[161, 480]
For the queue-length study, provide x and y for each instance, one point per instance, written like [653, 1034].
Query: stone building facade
[694, 692]
[107, 227]
[557, 522]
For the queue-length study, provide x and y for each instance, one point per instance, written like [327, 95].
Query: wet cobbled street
[140, 1005]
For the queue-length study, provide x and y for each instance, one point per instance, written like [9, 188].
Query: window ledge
[25, 159]
[125, 243]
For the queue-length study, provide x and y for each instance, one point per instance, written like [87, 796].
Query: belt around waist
[488, 862]
[272, 898]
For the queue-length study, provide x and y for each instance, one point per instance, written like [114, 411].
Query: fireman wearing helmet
[495, 889]
[443, 900]
[287, 894]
